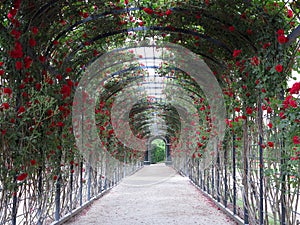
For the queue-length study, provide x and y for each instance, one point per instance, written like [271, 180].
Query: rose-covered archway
[252, 48]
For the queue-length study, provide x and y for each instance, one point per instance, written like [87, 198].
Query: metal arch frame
[168, 160]
[143, 28]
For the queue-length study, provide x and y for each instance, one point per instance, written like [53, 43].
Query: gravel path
[155, 195]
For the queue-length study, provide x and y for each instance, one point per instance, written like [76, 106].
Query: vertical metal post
[71, 187]
[207, 181]
[283, 187]
[261, 185]
[80, 183]
[58, 184]
[14, 208]
[218, 176]
[283, 174]
[40, 191]
[57, 198]
[261, 164]
[201, 179]
[105, 184]
[246, 214]
[124, 164]
[198, 173]
[191, 170]
[234, 173]
[225, 178]
[89, 182]
[204, 181]
[118, 172]
[213, 179]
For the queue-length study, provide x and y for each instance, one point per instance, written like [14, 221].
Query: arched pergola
[83, 93]
[147, 159]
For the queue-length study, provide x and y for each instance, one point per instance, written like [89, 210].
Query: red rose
[7, 91]
[38, 86]
[34, 30]
[5, 105]
[270, 125]
[255, 61]
[148, 11]
[295, 88]
[168, 12]
[60, 124]
[278, 68]
[19, 65]
[33, 162]
[85, 15]
[249, 110]
[293, 103]
[27, 62]
[68, 70]
[22, 176]
[59, 77]
[296, 140]
[32, 42]
[231, 28]
[289, 13]
[42, 58]
[236, 52]
[65, 91]
[281, 115]
[21, 109]
[280, 32]
[15, 33]
[270, 144]
[17, 52]
[249, 32]
[282, 39]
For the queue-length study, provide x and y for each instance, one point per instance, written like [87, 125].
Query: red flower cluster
[236, 52]
[17, 52]
[296, 140]
[249, 110]
[278, 68]
[255, 61]
[21, 110]
[27, 62]
[270, 144]
[148, 11]
[289, 13]
[32, 42]
[231, 28]
[295, 88]
[19, 65]
[289, 101]
[7, 91]
[5, 105]
[168, 12]
[281, 37]
[22, 176]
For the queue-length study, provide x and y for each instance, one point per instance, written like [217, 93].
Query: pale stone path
[155, 195]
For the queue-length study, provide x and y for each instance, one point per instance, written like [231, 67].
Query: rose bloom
[296, 140]
[295, 88]
[282, 39]
[278, 68]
